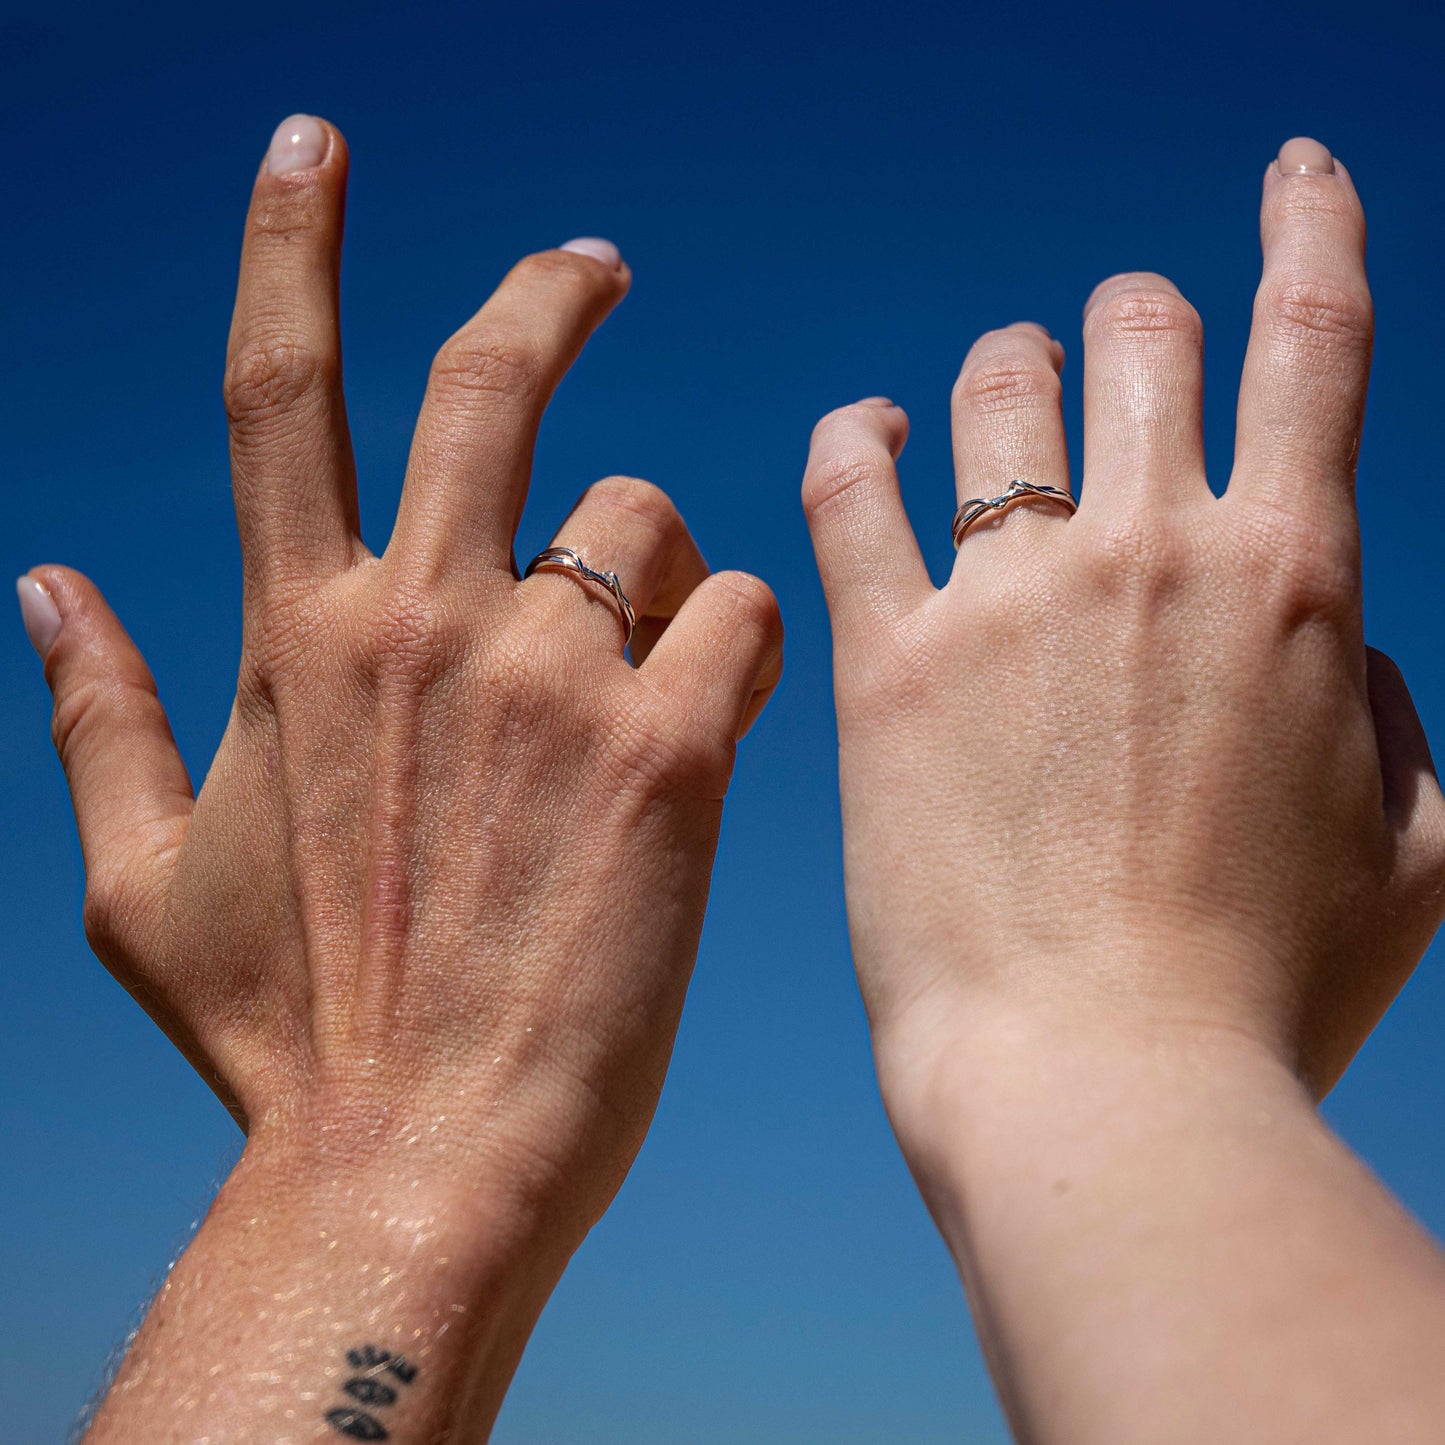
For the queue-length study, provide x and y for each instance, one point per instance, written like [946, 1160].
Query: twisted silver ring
[977, 507]
[564, 559]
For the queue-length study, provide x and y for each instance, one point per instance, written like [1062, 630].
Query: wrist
[477, 1213]
[983, 1085]
[1158, 1196]
[528, 1156]
[352, 1288]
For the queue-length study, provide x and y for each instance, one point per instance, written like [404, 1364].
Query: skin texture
[1141, 841]
[428, 926]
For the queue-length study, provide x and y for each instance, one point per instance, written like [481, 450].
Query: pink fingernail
[39, 613]
[1304, 157]
[877, 401]
[595, 247]
[298, 145]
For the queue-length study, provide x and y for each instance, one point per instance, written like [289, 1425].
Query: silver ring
[977, 507]
[564, 559]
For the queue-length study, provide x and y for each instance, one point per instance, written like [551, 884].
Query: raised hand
[1141, 841]
[428, 925]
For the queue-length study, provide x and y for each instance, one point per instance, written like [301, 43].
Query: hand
[431, 919]
[1137, 762]
[1141, 840]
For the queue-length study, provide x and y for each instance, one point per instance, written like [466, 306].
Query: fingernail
[298, 145]
[1304, 157]
[39, 613]
[595, 247]
[876, 401]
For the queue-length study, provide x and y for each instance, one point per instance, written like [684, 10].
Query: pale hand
[1141, 841]
[1137, 761]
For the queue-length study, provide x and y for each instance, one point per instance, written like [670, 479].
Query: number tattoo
[366, 1388]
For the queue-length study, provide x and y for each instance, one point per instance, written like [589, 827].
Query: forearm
[1161, 1240]
[323, 1300]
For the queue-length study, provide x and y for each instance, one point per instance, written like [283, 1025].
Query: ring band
[977, 507]
[564, 559]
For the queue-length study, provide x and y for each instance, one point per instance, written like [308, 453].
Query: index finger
[1302, 395]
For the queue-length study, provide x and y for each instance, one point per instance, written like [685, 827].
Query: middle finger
[1143, 393]
[471, 457]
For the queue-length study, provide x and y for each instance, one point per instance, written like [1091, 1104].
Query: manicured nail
[1304, 157]
[298, 145]
[876, 401]
[39, 613]
[595, 247]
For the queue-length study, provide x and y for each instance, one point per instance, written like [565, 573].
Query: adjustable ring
[564, 559]
[977, 507]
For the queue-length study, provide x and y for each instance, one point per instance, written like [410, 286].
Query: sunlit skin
[428, 925]
[1141, 840]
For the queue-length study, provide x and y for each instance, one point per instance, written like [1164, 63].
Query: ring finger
[631, 528]
[1008, 424]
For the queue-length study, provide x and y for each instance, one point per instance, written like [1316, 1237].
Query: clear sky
[819, 203]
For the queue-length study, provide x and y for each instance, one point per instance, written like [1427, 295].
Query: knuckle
[409, 642]
[835, 428]
[550, 268]
[70, 717]
[94, 703]
[640, 498]
[670, 751]
[279, 218]
[489, 365]
[1016, 602]
[1318, 312]
[753, 600]
[516, 679]
[257, 681]
[1312, 199]
[1144, 309]
[1140, 554]
[278, 646]
[840, 416]
[837, 475]
[268, 378]
[896, 679]
[1000, 382]
[104, 909]
[1313, 567]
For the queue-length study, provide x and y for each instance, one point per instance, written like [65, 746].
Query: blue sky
[818, 204]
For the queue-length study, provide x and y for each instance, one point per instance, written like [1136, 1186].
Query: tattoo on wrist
[377, 1380]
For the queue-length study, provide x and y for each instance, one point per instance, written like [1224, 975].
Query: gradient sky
[819, 203]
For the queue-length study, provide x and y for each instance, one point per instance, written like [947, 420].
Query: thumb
[1414, 804]
[129, 787]
[1406, 767]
